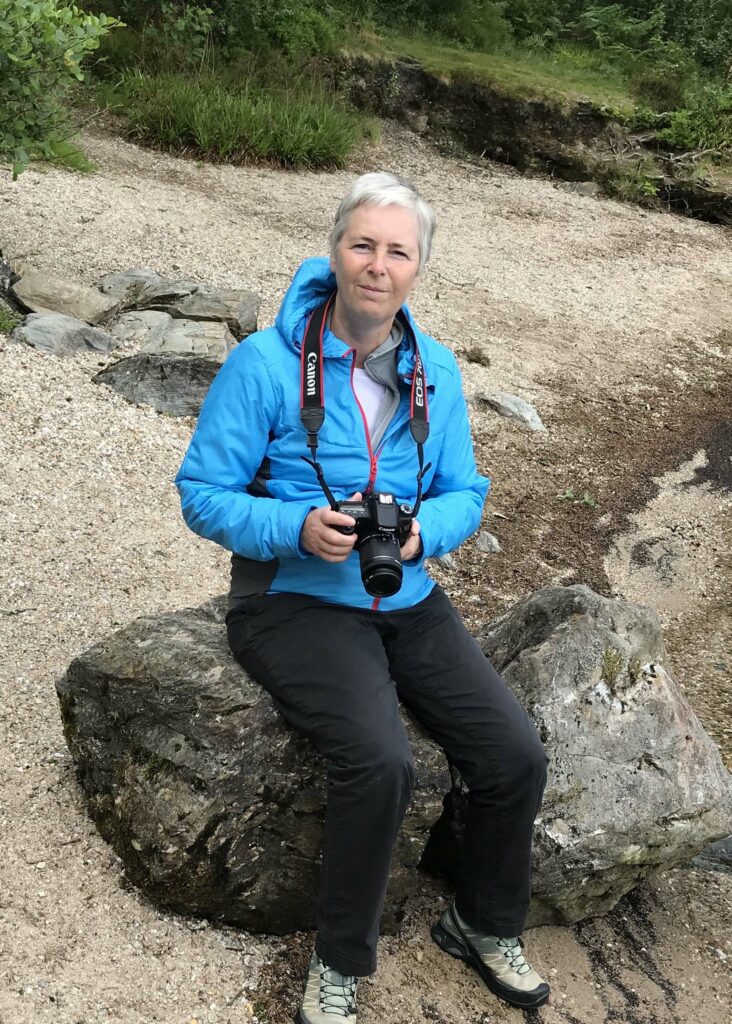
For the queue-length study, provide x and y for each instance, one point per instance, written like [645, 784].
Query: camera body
[382, 526]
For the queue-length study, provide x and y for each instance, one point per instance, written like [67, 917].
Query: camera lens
[381, 564]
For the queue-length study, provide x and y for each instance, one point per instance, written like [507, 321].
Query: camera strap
[312, 399]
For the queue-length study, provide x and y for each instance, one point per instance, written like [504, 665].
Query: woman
[338, 635]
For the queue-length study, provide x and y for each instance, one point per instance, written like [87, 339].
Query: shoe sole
[447, 942]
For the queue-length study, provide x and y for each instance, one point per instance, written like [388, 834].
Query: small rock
[580, 188]
[488, 543]
[513, 407]
[446, 561]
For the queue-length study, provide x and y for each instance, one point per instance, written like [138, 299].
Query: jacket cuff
[292, 519]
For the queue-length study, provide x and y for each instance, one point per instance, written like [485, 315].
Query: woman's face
[376, 262]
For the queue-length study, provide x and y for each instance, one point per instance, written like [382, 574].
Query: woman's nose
[378, 262]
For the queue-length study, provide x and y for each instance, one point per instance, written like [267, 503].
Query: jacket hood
[311, 286]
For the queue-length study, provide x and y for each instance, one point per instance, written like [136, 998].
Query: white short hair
[379, 188]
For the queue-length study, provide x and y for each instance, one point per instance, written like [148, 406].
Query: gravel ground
[612, 320]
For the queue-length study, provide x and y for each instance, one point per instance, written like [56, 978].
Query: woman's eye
[361, 246]
[398, 252]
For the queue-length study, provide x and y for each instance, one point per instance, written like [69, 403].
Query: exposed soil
[578, 141]
[613, 322]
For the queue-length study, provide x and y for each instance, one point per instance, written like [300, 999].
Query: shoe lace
[513, 951]
[337, 992]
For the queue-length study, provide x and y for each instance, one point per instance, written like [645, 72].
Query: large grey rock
[45, 293]
[513, 407]
[214, 804]
[61, 335]
[635, 783]
[172, 384]
[143, 288]
[238, 309]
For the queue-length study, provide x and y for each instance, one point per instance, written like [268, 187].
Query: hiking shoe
[330, 997]
[500, 962]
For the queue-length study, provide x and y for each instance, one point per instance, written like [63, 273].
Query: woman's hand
[319, 538]
[413, 545]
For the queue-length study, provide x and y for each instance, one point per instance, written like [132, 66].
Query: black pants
[336, 674]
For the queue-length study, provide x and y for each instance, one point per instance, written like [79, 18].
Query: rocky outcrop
[61, 335]
[185, 330]
[173, 369]
[160, 334]
[216, 805]
[182, 330]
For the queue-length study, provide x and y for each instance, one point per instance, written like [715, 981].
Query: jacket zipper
[373, 459]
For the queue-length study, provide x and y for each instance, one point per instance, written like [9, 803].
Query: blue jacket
[250, 419]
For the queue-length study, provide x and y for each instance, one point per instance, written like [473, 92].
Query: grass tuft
[237, 122]
[9, 319]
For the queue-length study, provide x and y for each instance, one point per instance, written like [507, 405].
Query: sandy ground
[613, 321]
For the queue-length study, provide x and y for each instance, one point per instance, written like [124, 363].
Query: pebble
[488, 543]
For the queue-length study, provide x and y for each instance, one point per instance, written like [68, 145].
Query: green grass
[8, 319]
[237, 122]
[635, 184]
[564, 76]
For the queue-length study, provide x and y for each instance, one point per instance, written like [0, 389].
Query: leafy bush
[294, 27]
[238, 122]
[43, 44]
[707, 124]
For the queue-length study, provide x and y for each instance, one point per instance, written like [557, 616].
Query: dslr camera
[382, 527]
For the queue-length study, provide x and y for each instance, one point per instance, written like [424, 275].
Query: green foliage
[297, 28]
[238, 122]
[9, 320]
[707, 124]
[611, 28]
[612, 664]
[585, 499]
[635, 184]
[43, 44]
[64, 153]
[656, 55]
